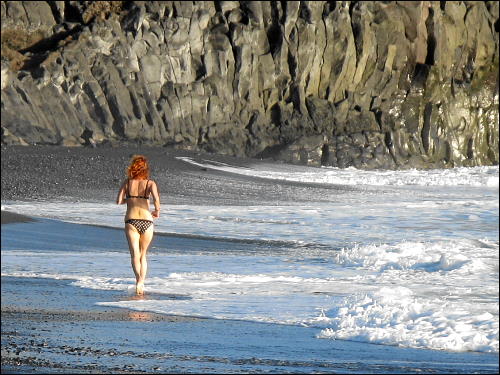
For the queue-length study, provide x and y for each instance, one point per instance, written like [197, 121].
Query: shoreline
[16, 218]
[50, 324]
[110, 314]
[85, 337]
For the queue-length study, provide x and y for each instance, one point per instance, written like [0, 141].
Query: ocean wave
[394, 316]
[462, 176]
[453, 255]
[255, 221]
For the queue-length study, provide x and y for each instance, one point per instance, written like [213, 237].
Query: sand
[52, 172]
[80, 173]
[12, 217]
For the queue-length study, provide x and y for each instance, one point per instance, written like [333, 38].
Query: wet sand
[84, 337]
[12, 217]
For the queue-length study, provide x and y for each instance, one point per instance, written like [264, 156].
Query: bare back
[136, 193]
[137, 206]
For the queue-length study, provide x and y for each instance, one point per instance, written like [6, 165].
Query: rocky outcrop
[364, 84]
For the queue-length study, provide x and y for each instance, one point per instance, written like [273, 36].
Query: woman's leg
[144, 242]
[133, 238]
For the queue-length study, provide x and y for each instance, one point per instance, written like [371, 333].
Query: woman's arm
[156, 200]
[120, 199]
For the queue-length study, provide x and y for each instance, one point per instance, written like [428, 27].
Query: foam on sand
[394, 316]
[463, 176]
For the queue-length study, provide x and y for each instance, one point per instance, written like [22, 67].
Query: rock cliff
[386, 84]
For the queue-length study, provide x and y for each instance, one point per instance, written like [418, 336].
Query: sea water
[404, 258]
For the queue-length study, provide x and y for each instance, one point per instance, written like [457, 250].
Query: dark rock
[365, 84]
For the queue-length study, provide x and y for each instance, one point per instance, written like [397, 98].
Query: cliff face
[365, 84]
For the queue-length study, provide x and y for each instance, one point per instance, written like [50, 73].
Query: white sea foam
[461, 255]
[394, 316]
[474, 176]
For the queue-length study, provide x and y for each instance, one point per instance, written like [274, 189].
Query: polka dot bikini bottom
[139, 224]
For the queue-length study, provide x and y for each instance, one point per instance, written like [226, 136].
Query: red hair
[138, 168]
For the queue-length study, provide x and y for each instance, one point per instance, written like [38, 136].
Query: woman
[135, 191]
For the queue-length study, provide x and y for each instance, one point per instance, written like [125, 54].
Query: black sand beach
[42, 172]
[52, 326]
[80, 173]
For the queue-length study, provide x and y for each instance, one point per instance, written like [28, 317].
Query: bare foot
[139, 288]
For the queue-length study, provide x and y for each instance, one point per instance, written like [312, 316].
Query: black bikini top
[137, 196]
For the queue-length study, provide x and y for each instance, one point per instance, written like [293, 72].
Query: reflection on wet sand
[137, 297]
[140, 316]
